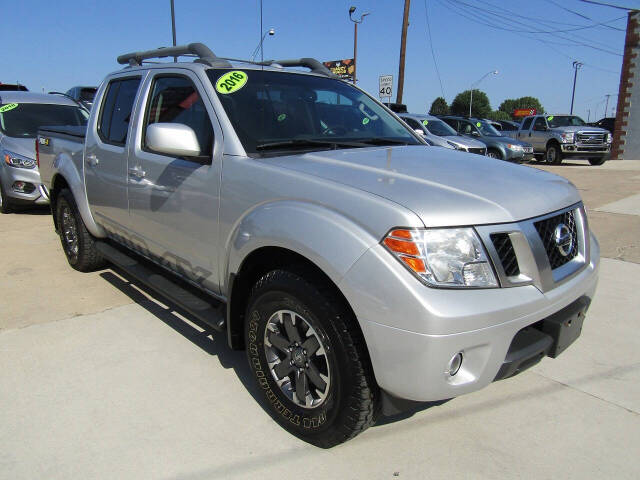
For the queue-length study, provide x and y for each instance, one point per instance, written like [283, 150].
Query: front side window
[540, 125]
[526, 124]
[439, 128]
[22, 120]
[274, 112]
[411, 122]
[174, 99]
[116, 110]
[484, 128]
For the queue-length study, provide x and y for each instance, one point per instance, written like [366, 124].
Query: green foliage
[480, 108]
[498, 115]
[439, 107]
[511, 104]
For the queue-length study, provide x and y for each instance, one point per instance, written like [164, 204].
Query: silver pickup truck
[556, 137]
[361, 271]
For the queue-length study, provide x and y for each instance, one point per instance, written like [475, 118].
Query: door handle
[92, 160]
[137, 172]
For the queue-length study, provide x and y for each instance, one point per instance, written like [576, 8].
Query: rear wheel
[78, 244]
[553, 154]
[597, 161]
[5, 203]
[309, 358]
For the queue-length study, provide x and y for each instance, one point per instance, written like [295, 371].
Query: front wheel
[553, 154]
[309, 358]
[5, 202]
[597, 161]
[494, 154]
[78, 244]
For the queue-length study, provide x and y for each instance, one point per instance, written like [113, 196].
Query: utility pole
[606, 107]
[173, 27]
[403, 48]
[576, 65]
[588, 115]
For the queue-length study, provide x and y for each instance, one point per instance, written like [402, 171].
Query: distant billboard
[343, 68]
[524, 112]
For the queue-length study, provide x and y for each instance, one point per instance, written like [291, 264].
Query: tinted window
[526, 124]
[452, 123]
[411, 122]
[438, 127]
[116, 110]
[564, 121]
[176, 100]
[276, 112]
[508, 126]
[540, 124]
[25, 119]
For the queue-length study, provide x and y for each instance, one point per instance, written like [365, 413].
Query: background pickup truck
[561, 136]
[360, 270]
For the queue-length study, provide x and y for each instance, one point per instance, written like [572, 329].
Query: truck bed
[56, 142]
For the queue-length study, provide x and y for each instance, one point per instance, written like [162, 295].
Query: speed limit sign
[386, 86]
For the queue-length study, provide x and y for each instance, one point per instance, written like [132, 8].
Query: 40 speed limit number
[385, 86]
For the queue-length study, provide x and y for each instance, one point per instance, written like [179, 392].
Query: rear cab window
[117, 107]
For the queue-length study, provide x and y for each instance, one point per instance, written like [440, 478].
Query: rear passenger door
[174, 200]
[106, 154]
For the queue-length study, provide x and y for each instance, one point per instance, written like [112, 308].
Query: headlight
[515, 148]
[18, 161]
[609, 138]
[567, 137]
[443, 257]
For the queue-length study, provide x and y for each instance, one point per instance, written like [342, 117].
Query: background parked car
[608, 123]
[439, 133]
[21, 114]
[83, 95]
[12, 87]
[504, 148]
[507, 128]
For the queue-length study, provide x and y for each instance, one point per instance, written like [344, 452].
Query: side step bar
[208, 311]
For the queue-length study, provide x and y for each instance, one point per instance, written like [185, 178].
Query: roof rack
[200, 50]
[311, 63]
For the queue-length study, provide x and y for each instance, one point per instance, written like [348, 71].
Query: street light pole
[576, 65]
[494, 72]
[271, 32]
[355, 39]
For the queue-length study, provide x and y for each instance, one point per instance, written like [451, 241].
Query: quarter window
[174, 99]
[116, 110]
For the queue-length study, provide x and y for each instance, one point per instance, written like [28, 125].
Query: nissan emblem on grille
[564, 239]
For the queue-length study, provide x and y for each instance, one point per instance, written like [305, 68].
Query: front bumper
[584, 151]
[10, 175]
[412, 331]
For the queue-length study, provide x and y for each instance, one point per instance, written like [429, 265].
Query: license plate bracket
[565, 325]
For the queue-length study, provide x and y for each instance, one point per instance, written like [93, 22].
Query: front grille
[590, 138]
[479, 151]
[547, 231]
[506, 253]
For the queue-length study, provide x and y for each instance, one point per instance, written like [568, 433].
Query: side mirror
[419, 131]
[173, 139]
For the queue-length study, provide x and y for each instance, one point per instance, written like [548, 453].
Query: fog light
[455, 363]
[23, 187]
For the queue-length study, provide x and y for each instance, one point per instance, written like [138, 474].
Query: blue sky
[56, 45]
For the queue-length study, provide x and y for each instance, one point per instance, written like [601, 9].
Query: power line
[426, 14]
[603, 24]
[603, 4]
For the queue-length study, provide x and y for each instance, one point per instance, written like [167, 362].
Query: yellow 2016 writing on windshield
[231, 82]
[7, 107]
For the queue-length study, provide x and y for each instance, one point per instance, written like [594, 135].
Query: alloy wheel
[69, 232]
[297, 359]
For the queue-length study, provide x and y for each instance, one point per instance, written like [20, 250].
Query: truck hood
[584, 128]
[22, 146]
[443, 187]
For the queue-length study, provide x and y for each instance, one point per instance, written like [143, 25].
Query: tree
[511, 104]
[498, 115]
[439, 107]
[480, 108]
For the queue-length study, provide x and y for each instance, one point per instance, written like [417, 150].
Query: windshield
[283, 111]
[485, 128]
[564, 121]
[87, 94]
[24, 119]
[439, 128]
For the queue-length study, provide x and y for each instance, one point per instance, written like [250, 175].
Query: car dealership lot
[99, 380]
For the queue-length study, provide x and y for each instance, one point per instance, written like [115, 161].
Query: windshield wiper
[300, 142]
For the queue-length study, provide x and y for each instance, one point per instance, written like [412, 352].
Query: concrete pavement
[98, 380]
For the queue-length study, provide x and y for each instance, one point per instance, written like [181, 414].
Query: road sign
[386, 86]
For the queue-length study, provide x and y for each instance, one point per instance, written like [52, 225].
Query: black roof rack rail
[311, 63]
[200, 50]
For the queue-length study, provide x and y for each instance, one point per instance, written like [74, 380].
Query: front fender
[332, 241]
[65, 168]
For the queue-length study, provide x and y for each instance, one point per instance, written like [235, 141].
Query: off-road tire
[553, 154]
[597, 161]
[84, 258]
[351, 404]
[5, 203]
